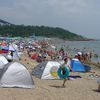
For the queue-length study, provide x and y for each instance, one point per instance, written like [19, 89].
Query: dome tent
[3, 61]
[46, 70]
[77, 66]
[15, 75]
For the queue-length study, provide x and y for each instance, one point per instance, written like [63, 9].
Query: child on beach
[67, 64]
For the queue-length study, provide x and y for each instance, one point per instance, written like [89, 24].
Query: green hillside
[26, 31]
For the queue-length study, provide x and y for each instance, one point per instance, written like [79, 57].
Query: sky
[78, 16]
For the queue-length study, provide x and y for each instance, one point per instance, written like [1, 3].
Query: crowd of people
[45, 54]
[39, 51]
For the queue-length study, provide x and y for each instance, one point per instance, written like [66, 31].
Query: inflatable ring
[66, 74]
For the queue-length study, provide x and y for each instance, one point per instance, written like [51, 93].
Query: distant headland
[12, 30]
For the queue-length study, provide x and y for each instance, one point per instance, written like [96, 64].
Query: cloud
[81, 16]
[34, 9]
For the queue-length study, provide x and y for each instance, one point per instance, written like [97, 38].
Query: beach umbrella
[5, 47]
[12, 47]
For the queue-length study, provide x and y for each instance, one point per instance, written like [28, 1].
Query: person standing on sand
[67, 63]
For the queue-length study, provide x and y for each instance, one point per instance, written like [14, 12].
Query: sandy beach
[49, 50]
[84, 88]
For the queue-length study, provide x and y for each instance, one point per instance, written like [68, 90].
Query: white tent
[15, 75]
[3, 61]
[46, 70]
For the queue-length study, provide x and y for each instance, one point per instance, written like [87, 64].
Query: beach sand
[84, 88]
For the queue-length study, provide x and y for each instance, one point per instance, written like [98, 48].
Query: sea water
[72, 47]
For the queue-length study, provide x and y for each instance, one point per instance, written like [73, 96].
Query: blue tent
[78, 66]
